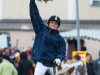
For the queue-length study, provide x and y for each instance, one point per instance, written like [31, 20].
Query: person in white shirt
[78, 62]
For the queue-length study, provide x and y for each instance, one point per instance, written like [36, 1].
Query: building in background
[65, 9]
[15, 19]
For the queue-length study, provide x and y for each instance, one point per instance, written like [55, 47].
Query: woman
[90, 70]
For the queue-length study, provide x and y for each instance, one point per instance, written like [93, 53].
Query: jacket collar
[53, 31]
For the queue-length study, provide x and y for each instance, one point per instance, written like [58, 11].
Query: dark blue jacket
[48, 44]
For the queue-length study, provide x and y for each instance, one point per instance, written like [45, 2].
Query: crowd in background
[14, 62]
[92, 66]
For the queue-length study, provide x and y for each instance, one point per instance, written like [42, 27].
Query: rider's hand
[57, 61]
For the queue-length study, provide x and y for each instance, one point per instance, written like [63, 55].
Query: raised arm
[36, 20]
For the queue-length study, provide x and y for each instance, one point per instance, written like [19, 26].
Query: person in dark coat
[25, 66]
[89, 65]
[97, 66]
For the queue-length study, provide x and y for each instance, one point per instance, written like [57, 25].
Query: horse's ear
[70, 70]
[59, 67]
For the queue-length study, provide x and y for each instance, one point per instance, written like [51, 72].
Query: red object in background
[28, 52]
[66, 57]
[31, 73]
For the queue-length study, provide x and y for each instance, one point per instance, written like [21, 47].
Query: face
[53, 25]
[88, 58]
[7, 52]
[75, 60]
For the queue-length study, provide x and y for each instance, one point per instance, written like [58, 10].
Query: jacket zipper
[33, 51]
[49, 30]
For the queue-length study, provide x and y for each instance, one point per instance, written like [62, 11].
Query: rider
[49, 46]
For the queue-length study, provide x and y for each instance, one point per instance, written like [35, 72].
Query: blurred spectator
[17, 51]
[89, 65]
[17, 55]
[25, 66]
[7, 51]
[28, 52]
[79, 65]
[1, 55]
[17, 58]
[83, 48]
[97, 66]
[12, 55]
[7, 68]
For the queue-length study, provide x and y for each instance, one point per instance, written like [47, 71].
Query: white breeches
[41, 69]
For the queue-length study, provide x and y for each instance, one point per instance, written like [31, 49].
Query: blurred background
[16, 28]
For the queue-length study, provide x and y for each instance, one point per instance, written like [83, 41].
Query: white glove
[57, 61]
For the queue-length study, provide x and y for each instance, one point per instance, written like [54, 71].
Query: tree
[44, 0]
